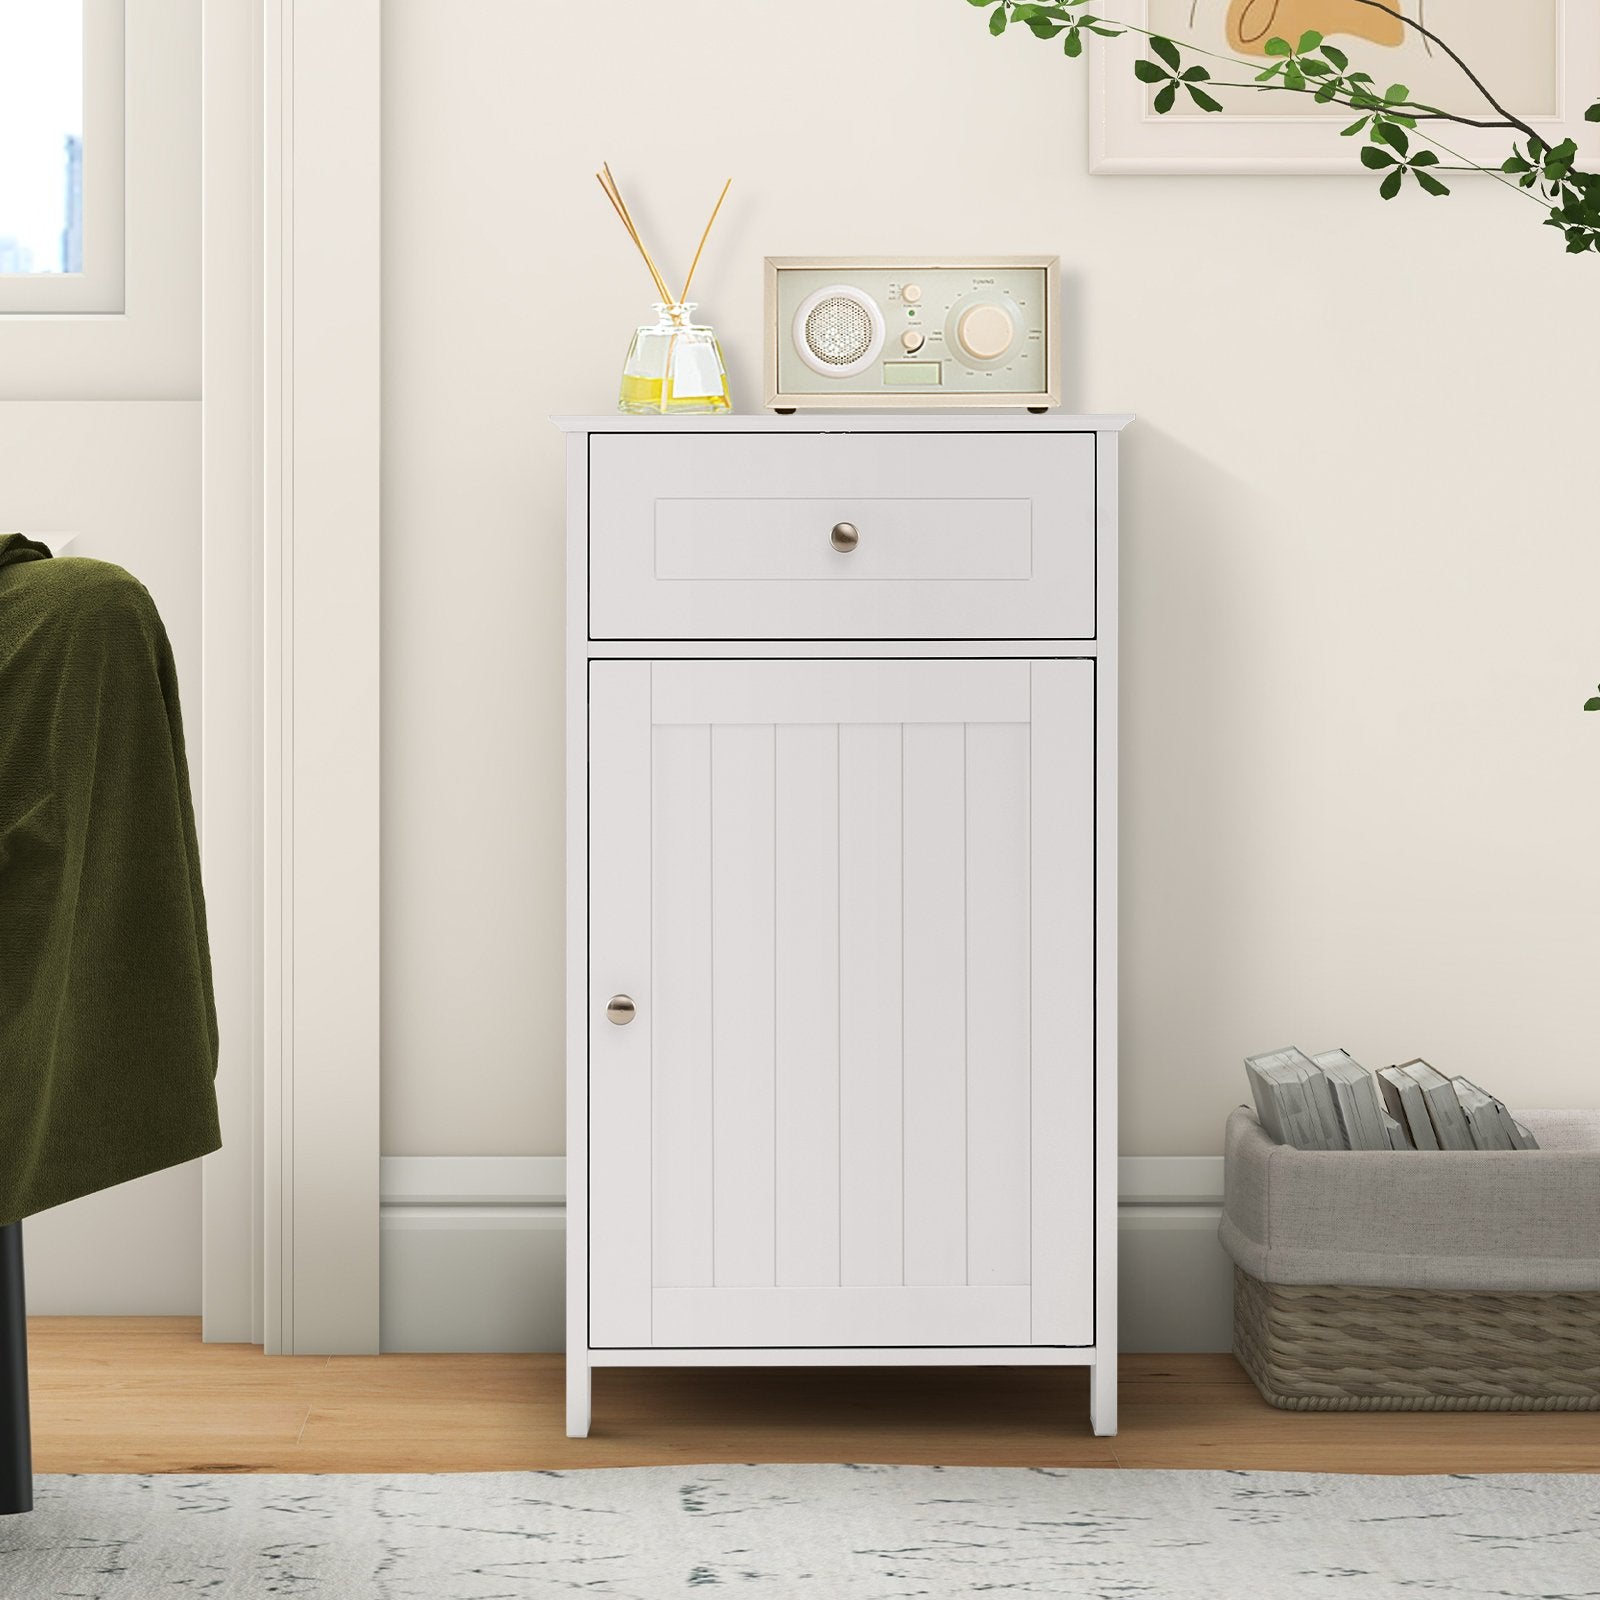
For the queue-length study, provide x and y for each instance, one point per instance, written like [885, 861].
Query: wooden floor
[145, 1395]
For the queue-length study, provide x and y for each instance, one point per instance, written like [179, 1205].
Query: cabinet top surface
[854, 422]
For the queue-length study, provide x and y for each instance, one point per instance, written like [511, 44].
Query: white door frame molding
[230, 745]
[321, 431]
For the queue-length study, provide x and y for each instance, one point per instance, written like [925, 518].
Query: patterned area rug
[832, 1533]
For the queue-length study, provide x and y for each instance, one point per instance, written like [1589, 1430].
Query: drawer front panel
[776, 541]
[960, 536]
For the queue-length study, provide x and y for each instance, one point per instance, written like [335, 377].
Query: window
[41, 137]
[61, 156]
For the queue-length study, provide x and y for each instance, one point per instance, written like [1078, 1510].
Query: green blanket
[108, 1032]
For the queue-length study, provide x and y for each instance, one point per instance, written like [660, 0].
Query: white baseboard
[1176, 1282]
[473, 1253]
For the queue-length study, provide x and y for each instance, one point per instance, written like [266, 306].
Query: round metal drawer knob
[621, 1010]
[844, 537]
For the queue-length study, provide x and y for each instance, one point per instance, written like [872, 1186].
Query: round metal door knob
[621, 1010]
[844, 537]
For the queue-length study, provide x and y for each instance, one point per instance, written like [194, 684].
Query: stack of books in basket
[1331, 1102]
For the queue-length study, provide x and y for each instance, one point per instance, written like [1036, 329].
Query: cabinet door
[853, 903]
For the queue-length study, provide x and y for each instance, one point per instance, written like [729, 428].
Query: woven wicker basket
[1314, 1348]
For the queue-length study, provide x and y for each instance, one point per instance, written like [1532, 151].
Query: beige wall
[1361, 573]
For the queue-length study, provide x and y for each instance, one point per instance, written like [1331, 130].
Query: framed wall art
[1539, 58]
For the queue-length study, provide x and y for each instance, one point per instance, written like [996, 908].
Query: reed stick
[703, 237]
[614, 195]
[633, 233]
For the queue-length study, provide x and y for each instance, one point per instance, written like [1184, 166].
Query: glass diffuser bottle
[674, 365]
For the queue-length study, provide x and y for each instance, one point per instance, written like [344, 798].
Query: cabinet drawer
[960, 536]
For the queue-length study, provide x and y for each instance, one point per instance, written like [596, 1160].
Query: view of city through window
[41, 136]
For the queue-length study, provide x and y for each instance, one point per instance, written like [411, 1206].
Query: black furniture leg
[16, 1446]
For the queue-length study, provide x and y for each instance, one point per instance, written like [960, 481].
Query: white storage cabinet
[842, 893]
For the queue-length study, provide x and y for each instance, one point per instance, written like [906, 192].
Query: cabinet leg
[16, 1449]
[1103, 1396]
[579, 1390]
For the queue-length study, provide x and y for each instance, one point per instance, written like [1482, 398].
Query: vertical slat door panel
[681, 1164]
[743, 802]
[807, 978]
[871, 1107]
[1061, 747]
[842, 692]
[619, 1057]
[935, 940]
[859, 1096]
[1000, 1066]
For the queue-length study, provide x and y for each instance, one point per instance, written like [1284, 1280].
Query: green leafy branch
[1050, 22]
[1388, 119]
[1573, 197]
[1175, 77]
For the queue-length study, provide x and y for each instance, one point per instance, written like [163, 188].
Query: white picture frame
[1128, 139]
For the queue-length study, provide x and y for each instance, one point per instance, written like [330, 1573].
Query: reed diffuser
[674, 364]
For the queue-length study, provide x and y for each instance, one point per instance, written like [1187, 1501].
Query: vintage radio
[851, 332]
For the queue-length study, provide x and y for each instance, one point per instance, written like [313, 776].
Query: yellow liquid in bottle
[701, 402]
[642, 394]
[645, 394]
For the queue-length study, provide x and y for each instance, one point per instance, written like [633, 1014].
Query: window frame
[148, 346]
[100, 289]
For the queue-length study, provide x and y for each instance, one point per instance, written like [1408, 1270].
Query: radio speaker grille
[839, 331]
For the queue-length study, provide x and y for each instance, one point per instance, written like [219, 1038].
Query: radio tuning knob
[986, 332]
